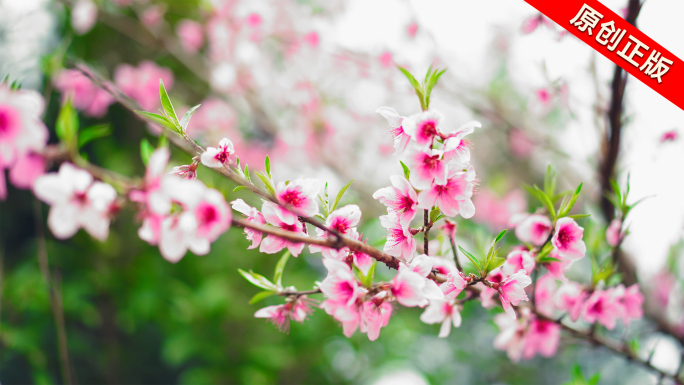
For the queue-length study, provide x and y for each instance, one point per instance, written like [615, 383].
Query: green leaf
[594, 380]
[91, 133]
[500, 236]
[267, 182]
[238, 188]
[547, 260]
[472, 258]
[158, 119]
[280, 266]
[434, 214]
[420, 92]
[547, 203]
[67, 124]
[267, 167]
[407, 171]
[166, 104]
[430, 84]
[339, 195]
[367, 280]
[186, 118]
[578, 216]
[550, 182]
[572, 201]
[261, 295]
[440, 216]
[146, 150]
[494, 263]
[246, 173]
[258, 280]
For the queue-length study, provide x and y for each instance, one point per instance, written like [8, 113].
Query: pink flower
[452, 196]
[568, 239]
[386, 59]
[401, 199]
[456, 147]
[253, 216]
[669, 136]
[153, 15]
[512, 291]
[26, 170]
[444, 312]
[300, 195]
[632, 302]
[558, 269]
[520, 143]
[297, 309]
[212, 215]
[85, 95]
[517, 260]
[374, 317]
[544, 96]
[534, 229]
[602, 307]
[21, 128]
[400, 242]
[423, 127]
[454, 284]
[218, 157]
[186, 171]
[411, 289]
[511, 337]
[449, 228]
[412, 29]
[215, 116]
[348, 315]
[344, 220]
[83, 16]
[544, 294]
[570, 297]
[542, 337]
[142, 83]
[285, 220]
[498, 213]
[362, 261]
[191, 35]
[312, 39]
[401, 138]
[75, 201]
[495, 276]
[340, 284]
[613, 232]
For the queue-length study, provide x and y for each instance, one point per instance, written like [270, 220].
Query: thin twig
[453, 248]
[426, 227]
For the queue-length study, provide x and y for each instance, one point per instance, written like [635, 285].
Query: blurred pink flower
[512, 291]
[297, 309]
[613, 233]
[142, 83]
[83, 16]
[544, 96]
[191, 35]
[542, 337]
[570, 297]
[386, 59]
[454, 284]
[444, 312]
[411, 289]
[544, 294]
[511, 337]
[669, 136]
[518, 260]
[153, 15]
[632, 302]
[26, 170]
[85, 95]
[340, 284]
[601, 306]
[312, 39]
[534, 229]
[521, 145]
[496, 212]
[373, 318]
[412, 29]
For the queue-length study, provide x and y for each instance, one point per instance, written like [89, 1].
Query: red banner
[612, 36]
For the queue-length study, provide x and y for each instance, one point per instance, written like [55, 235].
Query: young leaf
[368, 278]
[67, 124]
[579, 216]
[280, 266]
[407, 171]
[249, 178]
[494, 263]
[266, 181]
[500, 236]
[258, 280]
[238, 188]
[326, 211]
[91, 133]
[158, 119]
[339, 195]
[267, 167]
[146, 151]
[166, 104]
[546, 202]
[420, 92]
[261, 295]
[572, 201]
[434, 214]
[186, 118]
[550, 182]
[472, 258]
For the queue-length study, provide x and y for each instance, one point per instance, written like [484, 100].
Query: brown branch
[426, 223]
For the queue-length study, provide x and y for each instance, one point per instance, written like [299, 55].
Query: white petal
[63, 220]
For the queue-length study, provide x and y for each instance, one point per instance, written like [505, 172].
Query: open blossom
[76, 201]
[423, 127]
[512, 291]
[570, 297]
[452, 196]
[558, 268]
[613, 233]
[444, 312]
[518, 259]
[401, 138]
[286, 220]
[373, 318]
[186, 171]
[26, 170]
[412, 289]
[400, 242]
[454, 284]
[21, 128]
[300, 195]
[602, 306]
[219, 156]
[511, 337]
[142, 83]
[344, 220]
[401, 199]
[456, 147]
[297, 309]
[495, 276]
[427, 167]
[632, 301]
[340, 284]
[191, 35]
[568, 239]
[534, 229]
[544, 293]
[253, 216]
[542, 337]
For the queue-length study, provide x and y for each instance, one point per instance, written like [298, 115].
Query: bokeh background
[308, 100]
